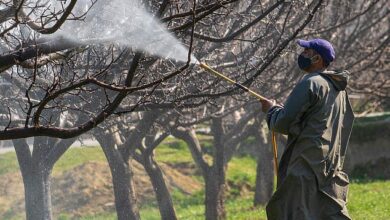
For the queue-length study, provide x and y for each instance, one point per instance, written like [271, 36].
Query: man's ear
[316, 58]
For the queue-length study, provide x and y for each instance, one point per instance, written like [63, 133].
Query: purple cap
[321, 46]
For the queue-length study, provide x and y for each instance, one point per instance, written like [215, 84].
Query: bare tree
[135, 139]
[121, 171]
[53, 95]
[227, 136]
[59, 88]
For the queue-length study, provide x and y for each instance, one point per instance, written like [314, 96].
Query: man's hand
[267, 104]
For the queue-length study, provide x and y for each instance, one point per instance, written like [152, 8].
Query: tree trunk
[36, 178]
[125, 198]
[215, 181]
[36, 169]
[122, 175]
[264, 170]
[37, 194]
[264, 180]
[163, 195]
[214, 199]
[189, 136]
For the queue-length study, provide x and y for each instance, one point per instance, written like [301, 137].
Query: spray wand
[258, 96]
[246, 89]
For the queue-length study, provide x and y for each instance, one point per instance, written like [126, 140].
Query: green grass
[175, 152]
[367, 200]
[239, 208]
[370, 200]
[8, 163]
[72, 158]
[77, 156]
[100, 216]
[242, 170]
[243, 209]
[192, 208]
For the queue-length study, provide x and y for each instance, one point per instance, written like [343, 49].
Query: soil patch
[87, 189]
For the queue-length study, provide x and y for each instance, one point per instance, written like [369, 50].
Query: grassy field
[368, 199]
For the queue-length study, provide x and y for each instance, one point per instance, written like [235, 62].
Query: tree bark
[122, 180]
[36, 180]
[37, 194]
[163, 195]
[125, 198]
[32, 51]
[215, 196]
[215, 181]
[188, 135]
[214, 176]
[264, 170]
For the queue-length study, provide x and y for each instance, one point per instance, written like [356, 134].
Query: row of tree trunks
[36, 177]
[215, 175]
[119, 156]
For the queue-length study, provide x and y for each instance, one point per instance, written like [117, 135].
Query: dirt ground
[87, 189]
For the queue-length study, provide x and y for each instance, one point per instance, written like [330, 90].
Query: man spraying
[317, 117]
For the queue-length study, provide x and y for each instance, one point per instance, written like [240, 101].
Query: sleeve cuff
[270, 112]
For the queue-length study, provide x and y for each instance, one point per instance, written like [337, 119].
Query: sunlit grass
[72, 158]
[192, 208]
[370, 200]
[367, 200]
[175, 152]
[78, 156]
[242, 170]
[8, 163]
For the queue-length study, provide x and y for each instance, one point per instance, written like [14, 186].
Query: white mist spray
[127, 23]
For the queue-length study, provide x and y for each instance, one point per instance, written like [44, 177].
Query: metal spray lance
[253, 93]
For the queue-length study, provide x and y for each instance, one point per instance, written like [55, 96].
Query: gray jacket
[318, 118]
